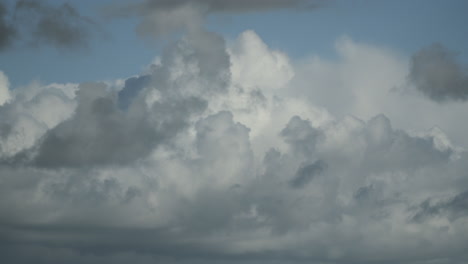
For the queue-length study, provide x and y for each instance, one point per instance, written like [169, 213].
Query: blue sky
[404, 26]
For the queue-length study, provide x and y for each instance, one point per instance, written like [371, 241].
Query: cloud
[452, 208]
[161, 18]
[4, 89]
[235, 6]
[131, 89]
[214, 6]
[101, 133]
[36, 23]
[7, 32]
[97, 133]
[349, 85]
[194, 161]
[437, 74]
[301, 136]
[305, 174]
[255, 57]
[27, 115]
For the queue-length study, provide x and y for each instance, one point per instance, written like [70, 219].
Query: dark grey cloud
[131, 89]
[452, 208]
[306, 173]
[39, 22]
[98, 133]
[437, 74]
[7, 32]
[300, 135]
[61, 26]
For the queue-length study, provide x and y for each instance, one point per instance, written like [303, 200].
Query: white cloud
[255, 65]
[4, 89]
[31, 112]
[366, 80]
[359, 82]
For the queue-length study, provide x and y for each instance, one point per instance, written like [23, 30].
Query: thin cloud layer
[197, 161]
[160, 18]
[231, 6]
[214, 6]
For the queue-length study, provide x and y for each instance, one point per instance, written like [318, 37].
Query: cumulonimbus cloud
[199, 161]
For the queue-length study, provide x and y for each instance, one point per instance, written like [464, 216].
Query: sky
[234, 131]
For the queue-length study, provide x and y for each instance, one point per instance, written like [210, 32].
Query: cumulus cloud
[350, 85]
[437, 74]
[38, 22]
[27, 115]
[256, 66]
[197, 161]
[101, 133]
[97, 133]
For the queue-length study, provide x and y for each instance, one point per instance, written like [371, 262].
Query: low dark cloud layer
[437, 74]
